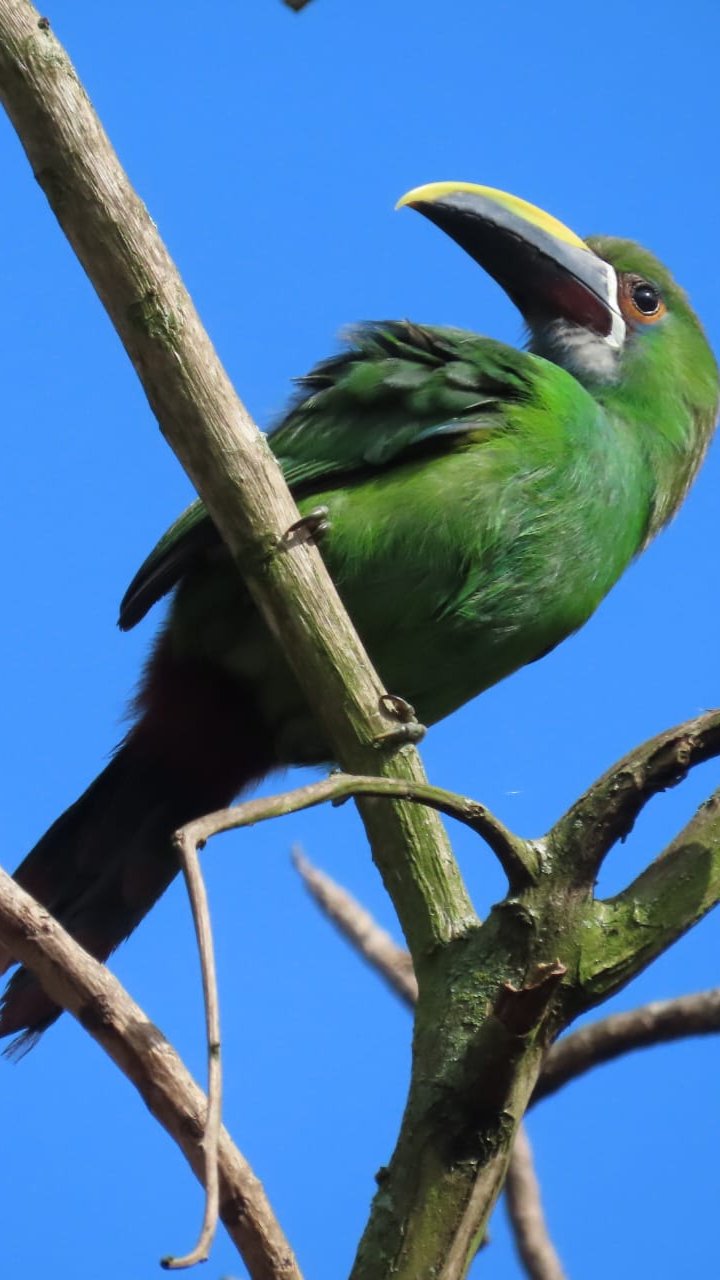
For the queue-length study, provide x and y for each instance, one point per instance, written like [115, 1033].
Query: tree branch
[657, 1023]
[79, 983]
[391, 962]
[197, 894]
[524, 1206]
[516, 856]
[490, 1002]
[607, 811]
[226, 457]
[394, 966]
[660, 1022]
[651, 1024]
[624, 934]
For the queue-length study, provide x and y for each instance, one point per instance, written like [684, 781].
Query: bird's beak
[548, 271]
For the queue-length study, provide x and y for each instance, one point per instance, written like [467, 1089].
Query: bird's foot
[407, 730]
[309, 528]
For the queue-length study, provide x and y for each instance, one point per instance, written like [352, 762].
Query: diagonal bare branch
[90, 992]
[527, 1219]
[391, 962]
[660, 1022]
[226, 457]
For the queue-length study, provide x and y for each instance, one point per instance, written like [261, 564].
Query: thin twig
[516, 856]
[525, 1211]
[607, 811]
[197, 893]
[89, 991]
[660, 1022]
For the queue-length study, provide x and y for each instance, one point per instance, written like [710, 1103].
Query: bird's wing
[191, 538]
[399, 391]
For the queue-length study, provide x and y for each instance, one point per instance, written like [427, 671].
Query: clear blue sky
[270, 148]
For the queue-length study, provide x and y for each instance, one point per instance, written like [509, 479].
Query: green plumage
[482, 502]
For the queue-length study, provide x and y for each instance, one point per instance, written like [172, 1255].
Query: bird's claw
[393, 705]
[402, 736]
[309, 528]
[408, 730]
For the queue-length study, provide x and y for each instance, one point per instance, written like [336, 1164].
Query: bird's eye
[640, 300]
[646, 298]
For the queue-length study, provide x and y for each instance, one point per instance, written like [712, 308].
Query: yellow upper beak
[432, 192]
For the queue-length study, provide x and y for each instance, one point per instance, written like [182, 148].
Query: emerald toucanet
[481, 501]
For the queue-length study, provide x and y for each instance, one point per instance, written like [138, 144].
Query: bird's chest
[470, 582]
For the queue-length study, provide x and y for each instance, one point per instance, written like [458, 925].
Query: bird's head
[604, 309]
[591, 306]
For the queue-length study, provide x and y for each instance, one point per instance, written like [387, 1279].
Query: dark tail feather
[106, 861]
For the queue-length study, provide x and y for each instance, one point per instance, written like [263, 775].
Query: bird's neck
[671, 434]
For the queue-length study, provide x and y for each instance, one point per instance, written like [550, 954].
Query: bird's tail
[104, 863]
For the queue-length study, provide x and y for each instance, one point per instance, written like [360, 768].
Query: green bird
[482, 501]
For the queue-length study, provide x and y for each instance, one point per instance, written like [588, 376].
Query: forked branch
[394, 965]
[624, 934]
[583, 837]
[603, 1041]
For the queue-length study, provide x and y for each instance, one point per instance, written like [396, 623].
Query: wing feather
[398, 391]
